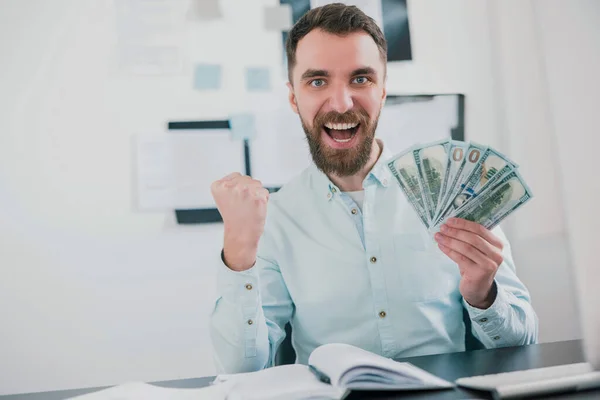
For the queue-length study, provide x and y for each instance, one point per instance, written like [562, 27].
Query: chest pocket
[422, 272]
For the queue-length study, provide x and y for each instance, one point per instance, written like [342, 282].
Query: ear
[292, 98]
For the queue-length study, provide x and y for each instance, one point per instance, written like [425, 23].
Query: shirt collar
[380, 174]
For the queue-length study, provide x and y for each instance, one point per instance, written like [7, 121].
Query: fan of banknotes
[451, 178]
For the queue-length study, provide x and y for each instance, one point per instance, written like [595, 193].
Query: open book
[333, 370]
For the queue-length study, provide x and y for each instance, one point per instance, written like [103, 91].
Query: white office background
[93, 292]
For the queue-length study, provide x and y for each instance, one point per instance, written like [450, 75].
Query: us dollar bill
[405, 171]
[497, 201]
[492, 166]
[470, 161]
[456, 155]
[431, 162]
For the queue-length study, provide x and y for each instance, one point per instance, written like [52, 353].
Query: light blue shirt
[372, 278]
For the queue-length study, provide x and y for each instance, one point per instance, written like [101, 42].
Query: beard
[341, 162]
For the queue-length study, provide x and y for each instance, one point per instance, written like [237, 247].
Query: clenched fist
[242, 202]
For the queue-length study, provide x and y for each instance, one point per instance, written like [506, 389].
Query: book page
[283, 382]
[337, 359]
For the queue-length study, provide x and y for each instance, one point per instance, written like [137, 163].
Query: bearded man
[338, 252]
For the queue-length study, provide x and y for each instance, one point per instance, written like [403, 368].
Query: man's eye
[317, 82]
[361, 80]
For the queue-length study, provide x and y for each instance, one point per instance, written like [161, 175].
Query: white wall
[528, 134]
[570, 39]
[94, 293]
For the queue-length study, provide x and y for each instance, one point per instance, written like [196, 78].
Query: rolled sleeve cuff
[492, 319]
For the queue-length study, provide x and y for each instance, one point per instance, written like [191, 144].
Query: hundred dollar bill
[470, 161]
[497, 201]
[456, 155]
[492, 166]
[431, 162]
[405, 171]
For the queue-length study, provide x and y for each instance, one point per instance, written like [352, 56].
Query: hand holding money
[242, 202]
[460, 191]
[478, 253]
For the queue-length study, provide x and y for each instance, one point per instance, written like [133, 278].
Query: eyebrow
[313, 73]
[364, 71]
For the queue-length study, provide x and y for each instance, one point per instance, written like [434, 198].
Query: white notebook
[333, 370]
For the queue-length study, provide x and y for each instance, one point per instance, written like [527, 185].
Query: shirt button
[385, 182]
[483, 320]
[333, 190]
[354, 211]
[249, 286]
[382, 314]
[329, 195]
[250, 322]
[496, 337]
[373, 260]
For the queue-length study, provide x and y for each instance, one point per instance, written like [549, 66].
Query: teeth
[342, 140]
[339, 127]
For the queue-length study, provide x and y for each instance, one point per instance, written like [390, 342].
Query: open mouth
[341, 133]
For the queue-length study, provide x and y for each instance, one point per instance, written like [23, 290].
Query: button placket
[376, 270]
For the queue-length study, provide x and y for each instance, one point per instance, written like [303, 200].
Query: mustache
[349, 117]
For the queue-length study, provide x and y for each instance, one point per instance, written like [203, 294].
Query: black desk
[446, 366]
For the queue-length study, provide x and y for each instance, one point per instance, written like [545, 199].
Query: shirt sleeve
[248, 321]
[510, 320]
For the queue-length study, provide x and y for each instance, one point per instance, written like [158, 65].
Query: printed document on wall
[176, 170]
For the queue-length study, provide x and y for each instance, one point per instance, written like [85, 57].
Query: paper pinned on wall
[150, 37]
[204, 10]
[207, 77]
[409, 120]
[176, 170]
[149, 59]
[280, 151]
[243, 126]
[258, 79]
[278, 18]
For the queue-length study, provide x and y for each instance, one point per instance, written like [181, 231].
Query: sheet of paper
[144, 391]
[278, 18]
[204, 10]
[150, 36]
[280, 151]
[243, 126]
[258, 79]
[207, 77]
[403, 125]
[175, 170]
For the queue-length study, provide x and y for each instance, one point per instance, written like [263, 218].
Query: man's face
[338, 90]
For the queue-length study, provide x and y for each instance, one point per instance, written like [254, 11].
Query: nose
[341, 99]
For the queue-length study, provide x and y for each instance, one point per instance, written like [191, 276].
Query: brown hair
[338, 19]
